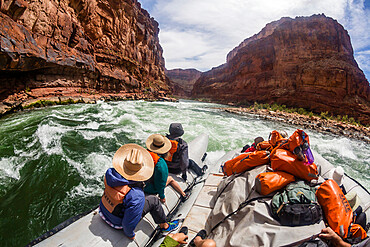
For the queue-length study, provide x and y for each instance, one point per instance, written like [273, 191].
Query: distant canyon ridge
[97, 49]
[304, 62]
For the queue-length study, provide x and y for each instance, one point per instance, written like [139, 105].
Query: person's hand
[163, 200]
[329, 234]
[184, 176]
[179, 237]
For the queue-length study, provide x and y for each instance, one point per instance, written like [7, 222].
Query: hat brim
[143, 174]
[159, 150]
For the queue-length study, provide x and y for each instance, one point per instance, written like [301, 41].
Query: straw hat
[133, 162]
[337, 174]
[158, 144]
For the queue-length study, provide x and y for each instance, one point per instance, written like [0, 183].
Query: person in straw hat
[158, 147]
[123, 203]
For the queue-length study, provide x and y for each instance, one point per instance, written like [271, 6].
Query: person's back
[178, 161]
[126, 213]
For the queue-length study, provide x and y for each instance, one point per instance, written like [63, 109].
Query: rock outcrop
[88, 45]
[182, 81]
[303, 62]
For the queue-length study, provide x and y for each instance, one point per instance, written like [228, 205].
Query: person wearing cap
[178, 159]
[123, 203]
[158, 147]
[248, 149]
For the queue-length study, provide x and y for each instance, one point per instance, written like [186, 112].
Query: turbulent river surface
[52, 160]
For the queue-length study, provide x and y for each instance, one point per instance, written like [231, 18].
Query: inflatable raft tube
[89, 229]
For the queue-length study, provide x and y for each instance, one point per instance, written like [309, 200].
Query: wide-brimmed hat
[353, 200]
[176, 130]
[337, 174]
[133, 162]
[158, 144]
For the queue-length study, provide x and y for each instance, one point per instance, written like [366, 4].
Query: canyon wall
[182, 81]
[303, 62]
[78, 46]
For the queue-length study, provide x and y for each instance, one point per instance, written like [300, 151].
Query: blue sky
[199, 33]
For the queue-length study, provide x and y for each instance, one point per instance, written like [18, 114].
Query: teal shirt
[158, 181]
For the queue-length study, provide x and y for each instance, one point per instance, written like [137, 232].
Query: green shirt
[158, 181]
[169, 242]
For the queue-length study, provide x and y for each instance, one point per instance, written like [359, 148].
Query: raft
[91, 230]
[253, 224]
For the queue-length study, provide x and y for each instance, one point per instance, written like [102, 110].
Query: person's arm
[160, 177]
[335, 239]
[132, 215]
[184, 159]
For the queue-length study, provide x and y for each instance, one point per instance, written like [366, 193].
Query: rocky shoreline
[322, 125]
[41, 97]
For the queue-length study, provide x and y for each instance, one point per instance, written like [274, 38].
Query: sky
[200, 33]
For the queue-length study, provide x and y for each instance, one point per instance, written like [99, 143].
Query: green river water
[52, 160]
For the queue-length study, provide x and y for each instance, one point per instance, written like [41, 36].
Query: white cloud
[199, 33]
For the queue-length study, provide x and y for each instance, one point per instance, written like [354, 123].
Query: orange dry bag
[275, 138]
[337, 210]
[284, 160]
[264, 145]
[245, 162]
[357, 232]
[269, 182]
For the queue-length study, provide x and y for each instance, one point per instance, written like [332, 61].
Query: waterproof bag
[296, 205]
[337, 210]
[245, 162]
[264, 145]
[284, 160]
[299, 145]
[275, 138]
[268, 182]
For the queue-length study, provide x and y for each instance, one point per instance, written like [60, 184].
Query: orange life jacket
[268, 182]
[337, 210]
[284, 160]
[245, 162]
[172, 150]
[113, 196]
[155, 157]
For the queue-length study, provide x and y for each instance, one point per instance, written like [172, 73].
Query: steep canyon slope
[182, 81]
[303, 62]
[66, 47]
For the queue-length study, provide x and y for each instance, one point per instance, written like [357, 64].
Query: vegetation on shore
[323, 115]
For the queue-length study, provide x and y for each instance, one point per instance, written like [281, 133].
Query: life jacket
[284, 160]
[112, 198]
[337, 210]
[155, 157]
[172, 151]
[245, 162]
[268, 182]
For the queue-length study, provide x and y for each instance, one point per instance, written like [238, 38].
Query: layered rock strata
[303, 62]
[182, 81]
[104, 46]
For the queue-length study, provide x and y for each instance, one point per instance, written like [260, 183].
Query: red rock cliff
[104, 45]
[303, 62]
[182, 81]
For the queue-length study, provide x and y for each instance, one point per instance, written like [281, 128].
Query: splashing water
[52, 161]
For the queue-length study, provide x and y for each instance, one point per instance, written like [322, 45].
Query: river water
[52, 160]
